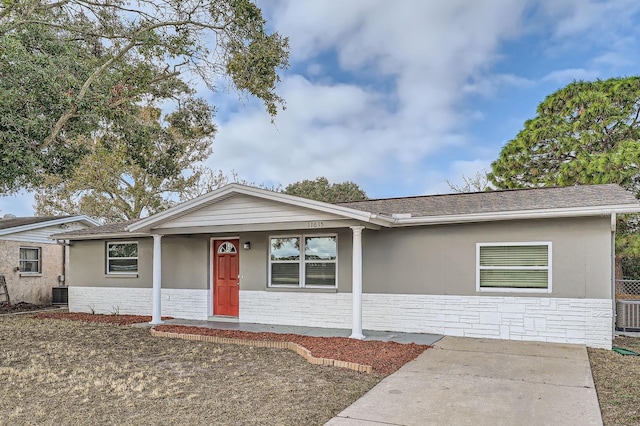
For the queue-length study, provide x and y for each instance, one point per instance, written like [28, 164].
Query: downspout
[613, 275]
[64, 266]
[65, 260]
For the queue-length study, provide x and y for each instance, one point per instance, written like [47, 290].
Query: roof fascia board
[104, 236]
[234, 188]
[180, 208]
[520, 214]
[89, 220]
[22, 228]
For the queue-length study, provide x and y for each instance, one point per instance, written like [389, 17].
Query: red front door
[226, 286]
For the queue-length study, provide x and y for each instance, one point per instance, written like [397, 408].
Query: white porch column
[157, 280]
[356, 291]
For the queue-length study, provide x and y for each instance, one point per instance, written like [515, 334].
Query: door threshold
[222, 318]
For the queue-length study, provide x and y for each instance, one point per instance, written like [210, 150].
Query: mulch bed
[384, 357]
[104, 319]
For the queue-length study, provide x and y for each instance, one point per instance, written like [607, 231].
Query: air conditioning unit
[60, 296]
[628, 315]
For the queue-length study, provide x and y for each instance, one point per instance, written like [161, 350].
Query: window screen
[525, 266]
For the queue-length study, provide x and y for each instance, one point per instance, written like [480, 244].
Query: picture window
[303, 261]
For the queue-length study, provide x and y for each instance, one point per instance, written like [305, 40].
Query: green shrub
[631, 267]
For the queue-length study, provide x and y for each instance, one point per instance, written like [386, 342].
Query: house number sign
[315, 224]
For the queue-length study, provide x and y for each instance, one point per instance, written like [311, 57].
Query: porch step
[222, 318]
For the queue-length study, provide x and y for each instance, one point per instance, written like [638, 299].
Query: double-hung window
[30, 261]
[524, 267]
[303, 261]
[122, 258]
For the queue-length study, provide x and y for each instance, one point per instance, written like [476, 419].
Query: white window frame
[548, 268]
[302, 261]
[20, 260]
[107, 258]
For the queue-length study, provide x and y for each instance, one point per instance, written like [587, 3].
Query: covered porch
[243, 227]
[238, 250]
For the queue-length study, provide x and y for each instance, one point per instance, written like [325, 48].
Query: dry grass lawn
[617, 380]
[63, 372]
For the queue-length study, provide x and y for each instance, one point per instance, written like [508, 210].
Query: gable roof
[13, 225]
[233, 189]
[548, 202]
[569, 197]
[110, 230]
[12, 222]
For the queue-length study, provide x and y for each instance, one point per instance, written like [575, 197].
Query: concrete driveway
[466, 381]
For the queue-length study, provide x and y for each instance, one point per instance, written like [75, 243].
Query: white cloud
[430, 57]
[425, 52]
[589, 27]
[589, 19]
[314, 69]
[441, 182]
[613, 60]
[341, 131]
[383, 93]
[470, 168]
[488, 85]
[566, 76]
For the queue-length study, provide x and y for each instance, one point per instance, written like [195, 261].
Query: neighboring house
[30, 261]
[534, 264]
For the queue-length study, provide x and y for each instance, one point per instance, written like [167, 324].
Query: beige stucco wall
[442, 259]
[184, 264]
[30, 288]
[432, 260]
[87, 265]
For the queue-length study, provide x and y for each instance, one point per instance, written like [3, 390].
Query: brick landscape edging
[300, 350]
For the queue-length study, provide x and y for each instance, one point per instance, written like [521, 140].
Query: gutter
[48, 223]
[105, 236]
[514, 215]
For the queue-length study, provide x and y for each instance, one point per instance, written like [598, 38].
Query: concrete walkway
[384, 336]
[463, 381]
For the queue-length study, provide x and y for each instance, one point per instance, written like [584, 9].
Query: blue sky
[402, 96]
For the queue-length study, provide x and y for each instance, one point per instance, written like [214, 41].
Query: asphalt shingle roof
[457, 204]
[499, 201]
[112, 228]
[22, 221]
